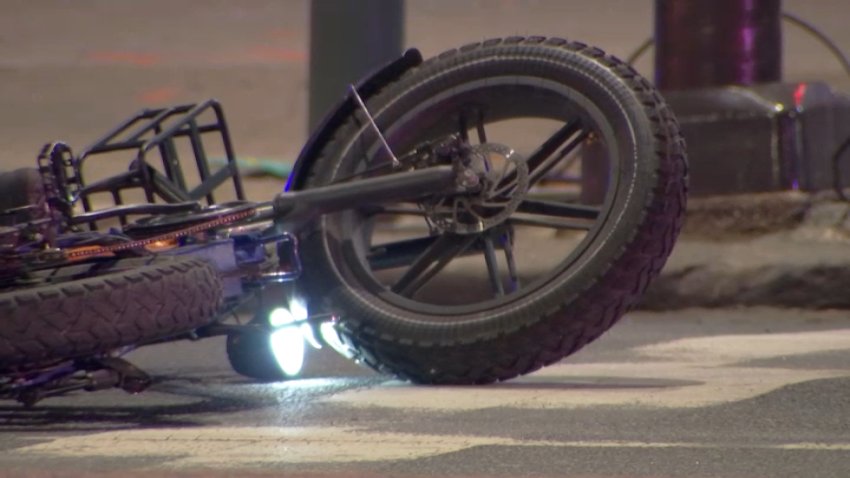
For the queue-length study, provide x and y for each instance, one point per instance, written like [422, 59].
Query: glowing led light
[280, 316]
[310, 336]
[287, 342]
[331, 337]
[298, 309]
[288, 347]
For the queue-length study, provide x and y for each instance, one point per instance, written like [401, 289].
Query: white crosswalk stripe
[692, 372]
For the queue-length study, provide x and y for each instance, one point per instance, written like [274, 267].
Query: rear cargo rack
[149, 133]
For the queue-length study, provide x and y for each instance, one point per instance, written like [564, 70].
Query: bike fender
[366, 87]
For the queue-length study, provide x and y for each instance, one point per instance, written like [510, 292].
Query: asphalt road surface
[732, 393]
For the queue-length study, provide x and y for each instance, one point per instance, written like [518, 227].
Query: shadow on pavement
[193, 395]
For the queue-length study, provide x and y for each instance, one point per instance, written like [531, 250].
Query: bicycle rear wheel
[155, 298]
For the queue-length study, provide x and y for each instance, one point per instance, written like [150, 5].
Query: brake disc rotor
[503, 177]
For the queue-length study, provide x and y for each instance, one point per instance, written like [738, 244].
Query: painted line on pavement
[694, 372]
[245, 447]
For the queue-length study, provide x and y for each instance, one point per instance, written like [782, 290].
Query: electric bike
[461, 220]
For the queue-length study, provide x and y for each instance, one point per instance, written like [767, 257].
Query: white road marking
[682, 373]
[727, 349]
[699, 372]
[592, 385]
[222, 447]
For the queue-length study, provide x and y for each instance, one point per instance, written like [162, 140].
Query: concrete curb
[787, 250]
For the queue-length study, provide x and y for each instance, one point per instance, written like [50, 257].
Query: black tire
[427, 341]
[163, 298]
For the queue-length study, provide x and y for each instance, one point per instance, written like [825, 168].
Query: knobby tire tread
[565, 329]
[97, 314]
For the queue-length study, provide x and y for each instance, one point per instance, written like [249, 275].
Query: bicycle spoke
[551, 145]
[508, 246]
[493, 265]
[398, 253]
[463, 127]
[539, 170]
[572, 224]
[430, 262]
[479, 127]
[558, 209]
[547, 155]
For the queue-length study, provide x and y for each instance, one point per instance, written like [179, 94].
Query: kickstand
[100, 373]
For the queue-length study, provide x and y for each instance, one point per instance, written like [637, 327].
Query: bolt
[468, 179]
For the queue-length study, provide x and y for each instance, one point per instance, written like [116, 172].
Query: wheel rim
[395, 261]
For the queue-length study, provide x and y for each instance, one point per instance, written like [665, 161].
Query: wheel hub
[500, 177]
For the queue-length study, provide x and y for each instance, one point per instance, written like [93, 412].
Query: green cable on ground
[251, 166]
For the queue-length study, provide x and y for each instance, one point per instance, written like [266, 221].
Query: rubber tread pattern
[97, 314]
[565, 329]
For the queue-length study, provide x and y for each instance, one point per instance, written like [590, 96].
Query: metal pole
[349, 39]
[704, 43]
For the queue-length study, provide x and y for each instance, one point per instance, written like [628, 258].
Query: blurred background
[71, 69]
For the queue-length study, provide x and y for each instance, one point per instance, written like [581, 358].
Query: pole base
[770, 137]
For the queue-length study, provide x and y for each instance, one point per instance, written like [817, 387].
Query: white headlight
[280, 316]
[331, 337]
[298, 308]
[287, 345]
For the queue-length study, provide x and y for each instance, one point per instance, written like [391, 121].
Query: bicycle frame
[235, 234]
